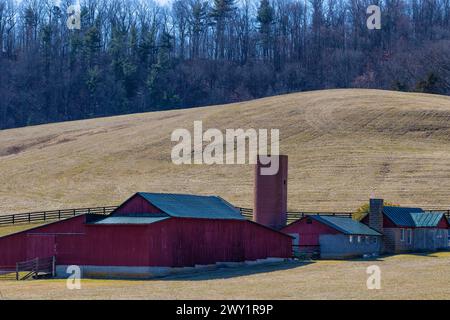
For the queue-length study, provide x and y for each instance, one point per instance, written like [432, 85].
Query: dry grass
[17, 228]
[403, 277]
[343, 146]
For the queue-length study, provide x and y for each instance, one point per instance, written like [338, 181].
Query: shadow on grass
[227, 273]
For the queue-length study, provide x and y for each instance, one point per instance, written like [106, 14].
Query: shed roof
[193, 206]
[413, 217]
[346, 225]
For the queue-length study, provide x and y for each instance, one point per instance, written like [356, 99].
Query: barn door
[40, 246]
[295, 244]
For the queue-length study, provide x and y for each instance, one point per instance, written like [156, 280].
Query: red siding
[444, 224]
[309, 233]
[174, 242]
[136, 204]
[387, 223]
[20, 246]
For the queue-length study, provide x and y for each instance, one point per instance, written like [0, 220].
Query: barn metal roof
[346, 225]
[193, 206]
[412, 217]
[130, 220]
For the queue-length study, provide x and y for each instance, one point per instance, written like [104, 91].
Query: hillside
[344, 145]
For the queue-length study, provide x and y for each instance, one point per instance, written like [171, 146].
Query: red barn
[150, 234]
[334, 237]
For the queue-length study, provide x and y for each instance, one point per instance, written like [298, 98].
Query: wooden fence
[36, 268]
[42, 216]
[31, 269]
[294, 216]
[446, 212]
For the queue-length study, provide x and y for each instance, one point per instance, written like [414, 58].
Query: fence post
[13, 219]
[104, 211]
[45, 216]
[17, 271]
[29, 218]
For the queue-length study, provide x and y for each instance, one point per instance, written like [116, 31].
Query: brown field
[344, 145]
[403, 277]
[5, 230]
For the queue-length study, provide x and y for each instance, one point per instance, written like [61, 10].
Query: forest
[132, 56]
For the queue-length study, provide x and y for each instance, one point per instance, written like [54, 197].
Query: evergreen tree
[221, 11]
[265, 18]
[161, 90]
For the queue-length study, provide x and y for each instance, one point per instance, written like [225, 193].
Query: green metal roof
[412, 217]
[346, 225]
[427, 219]
[193, 206]
[130, 220]
[401, 216]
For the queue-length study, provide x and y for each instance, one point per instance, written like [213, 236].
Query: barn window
[375, 240]
[367, 239]
[359, 239]
[350, 238]
[402, 234]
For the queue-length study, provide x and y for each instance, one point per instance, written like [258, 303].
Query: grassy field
[344, 145]
[17, 228]
[403, 277]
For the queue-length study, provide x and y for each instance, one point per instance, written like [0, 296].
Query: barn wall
[12, 250]
[338, 246]
[22, 246]
[136, 204]
[169, 243]
[201, 241]
[309, 233]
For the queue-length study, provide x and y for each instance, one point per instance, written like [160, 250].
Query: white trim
[410, 236]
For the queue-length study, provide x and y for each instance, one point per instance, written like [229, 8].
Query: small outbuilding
[408, 229]
[333, 237]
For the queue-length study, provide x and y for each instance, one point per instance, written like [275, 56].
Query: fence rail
[35, 268]
[446, 212]
[42, 216]
[294, 216]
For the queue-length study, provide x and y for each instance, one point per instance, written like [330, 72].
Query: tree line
[135, 55]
